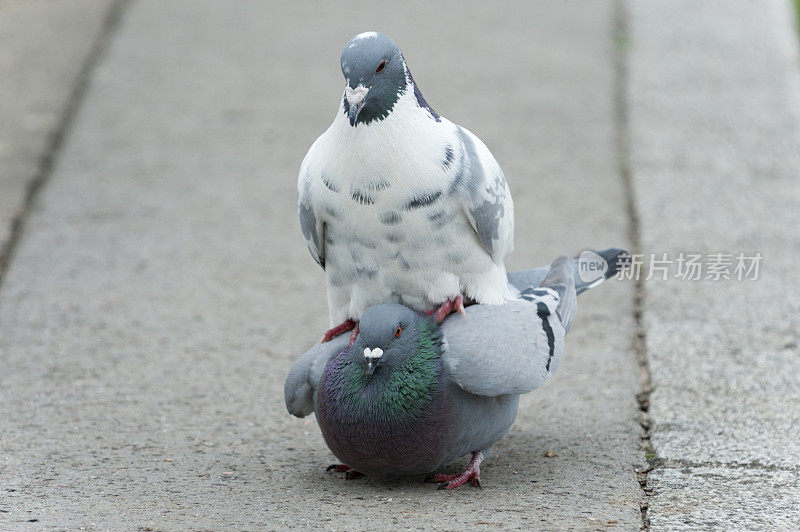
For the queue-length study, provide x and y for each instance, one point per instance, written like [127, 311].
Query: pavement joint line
[753, 465]
[621, 41]
[59, 135]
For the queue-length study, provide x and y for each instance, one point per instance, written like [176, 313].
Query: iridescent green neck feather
[403, 387]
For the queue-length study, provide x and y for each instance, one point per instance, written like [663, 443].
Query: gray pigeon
[397, 203]
[410, 396]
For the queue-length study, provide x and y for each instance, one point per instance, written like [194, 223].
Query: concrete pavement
[46, 49]
[714, 105]
[160, 288]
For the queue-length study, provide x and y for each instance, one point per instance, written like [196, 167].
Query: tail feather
[615, 259]
[555, 288]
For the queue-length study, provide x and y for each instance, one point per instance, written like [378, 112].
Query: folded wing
[485, 196]
[302, 380]
[515, 347]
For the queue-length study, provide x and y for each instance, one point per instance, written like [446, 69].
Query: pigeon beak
[353, 115]
[355, 101]
[371, 357]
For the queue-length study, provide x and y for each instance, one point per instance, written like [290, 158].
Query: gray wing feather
[528, 278]
[512, 348]
[312, 227]
[487, 202]
[302, 380]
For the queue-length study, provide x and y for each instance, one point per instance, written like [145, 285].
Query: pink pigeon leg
[448, 307]
[354, 335]
[471, 473]
[343, 327]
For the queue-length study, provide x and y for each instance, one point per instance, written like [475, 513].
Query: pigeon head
[389, 335]
[375, 73]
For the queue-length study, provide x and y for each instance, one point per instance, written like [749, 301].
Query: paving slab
[43, 49]
[714, 102]
[723, 498]
[162, 288]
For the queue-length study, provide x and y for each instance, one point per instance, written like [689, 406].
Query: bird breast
[377, 430]
[395, 222]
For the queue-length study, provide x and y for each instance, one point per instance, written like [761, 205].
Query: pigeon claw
[472, 474]
[459, 481]
[447, 308]
[349, 472]
[347, 325]
[442, 477]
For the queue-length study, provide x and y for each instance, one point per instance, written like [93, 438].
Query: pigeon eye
[398, 331]
[381, 66]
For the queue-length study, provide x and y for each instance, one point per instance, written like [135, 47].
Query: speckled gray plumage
[397, 203]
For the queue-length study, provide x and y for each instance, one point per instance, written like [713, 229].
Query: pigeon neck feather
[403, 390]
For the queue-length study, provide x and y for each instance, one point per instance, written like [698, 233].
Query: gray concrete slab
[722, 498]
[163, 289]
[715, 151]
[43, 47]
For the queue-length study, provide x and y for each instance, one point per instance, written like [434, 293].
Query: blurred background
[155, 287]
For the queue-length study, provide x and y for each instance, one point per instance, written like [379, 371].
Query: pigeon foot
[354, 335]
[343, 327]
[448, 307]
[349, 472]
[472, 473]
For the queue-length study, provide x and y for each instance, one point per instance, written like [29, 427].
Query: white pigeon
[397, 203]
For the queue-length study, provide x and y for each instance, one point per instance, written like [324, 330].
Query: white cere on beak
[373, 354]
[355, 96]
